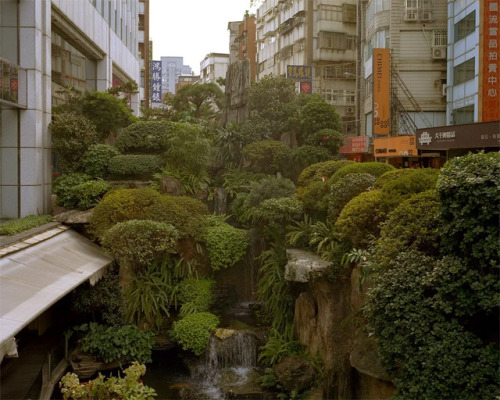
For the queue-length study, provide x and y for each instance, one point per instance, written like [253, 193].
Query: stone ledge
[304, 266]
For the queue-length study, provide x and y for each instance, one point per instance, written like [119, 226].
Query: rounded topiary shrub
[316, 172]
[140, 242]
[373, 168]
[64, 188]
[135, 166]
[88, 194]
[345, 189]
[226, 245]
[278, 212]
[96, 159]
[193, 331]
[315, 198]
[145, 137]
[269, 188]
[329, 139]
[468, 189]
[306, 155]
[267, 156]
[391, 175]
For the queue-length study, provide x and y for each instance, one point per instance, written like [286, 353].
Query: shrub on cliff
[193, 331]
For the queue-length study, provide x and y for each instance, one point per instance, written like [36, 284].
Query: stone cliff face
[325, 314]
[237, 86]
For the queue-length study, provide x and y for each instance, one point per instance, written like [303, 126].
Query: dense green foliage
[196, 295]
[329, 139]
[279, 345]
[96, 159]
[373, 168]
[345, 189]
[87, 194]
[140, 242]
[193, 331]
[117, 388]
[315, 172]
[145, 137]
[64, 188]
[240, 181]
[200, 101]
[314, 116]
[469, 192]
[278, 212]
[304, 156]
[228, 143]
[226, 245]
[134, 165]
[406, 185]
[267, 156]
[12, 227]
[72, 135]
[315, 198]
[391, 175]
[424, 313]
[269, 188]
[127, 343]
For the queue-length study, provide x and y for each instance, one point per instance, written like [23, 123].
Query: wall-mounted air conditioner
[439, 53]
[349, 110]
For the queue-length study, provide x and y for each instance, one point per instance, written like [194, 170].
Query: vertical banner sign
[155, 81]
[381, 91]
[490, 65]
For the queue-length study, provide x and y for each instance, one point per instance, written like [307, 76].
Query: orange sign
[490, 65]
[381, 91]
[395, 146]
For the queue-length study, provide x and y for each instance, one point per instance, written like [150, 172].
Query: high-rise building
[144, 56]
[45, 47]
[171, 69]
[314, 43]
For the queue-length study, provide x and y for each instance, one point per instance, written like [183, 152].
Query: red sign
[490, 64]
[357, 144]
[306, 87]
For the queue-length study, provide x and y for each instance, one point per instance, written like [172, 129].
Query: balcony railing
[13, 85]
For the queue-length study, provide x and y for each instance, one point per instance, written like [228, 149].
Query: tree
[199, 100]
[316, 115]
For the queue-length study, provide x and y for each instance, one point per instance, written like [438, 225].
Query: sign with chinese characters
[395, 146]
[467, 136]
[306, 87]
[357, 144]
[155, 81]
[381, 91]
[490, 66]
[299, 72]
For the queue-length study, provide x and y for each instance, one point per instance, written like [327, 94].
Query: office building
[171, 69]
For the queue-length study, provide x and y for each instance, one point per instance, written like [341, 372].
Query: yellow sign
[381, 92]
[395, 146]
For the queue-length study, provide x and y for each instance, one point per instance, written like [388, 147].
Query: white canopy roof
[39, 271]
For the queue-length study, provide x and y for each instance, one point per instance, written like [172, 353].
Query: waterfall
[220, 201]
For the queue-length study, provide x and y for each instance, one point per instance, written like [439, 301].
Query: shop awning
[37, 272]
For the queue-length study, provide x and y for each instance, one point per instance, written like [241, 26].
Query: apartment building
[320, 34]
[46, 46]
[144, 54]
[171, 69]
[213, 67]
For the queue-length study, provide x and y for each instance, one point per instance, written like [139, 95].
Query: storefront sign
[468, 136]
[395, 146]
[489, 60]
[306, 87]
[381, 92]
[357, 144]
[156, 82]
[300, 72]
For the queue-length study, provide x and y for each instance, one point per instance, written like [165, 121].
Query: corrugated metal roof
[34, 277]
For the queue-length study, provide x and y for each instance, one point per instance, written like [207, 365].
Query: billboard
[299, 72]
[489, 62]
[395, 146]
[356, 144]
[156, 82]
[381, 92]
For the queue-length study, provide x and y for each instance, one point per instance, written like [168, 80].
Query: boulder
[74, 217]
[295, 373]
[364, 357]
[304, 266]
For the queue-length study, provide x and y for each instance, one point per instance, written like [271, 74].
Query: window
[418, 10]
[340, 71]
[464, 115]
[464, 72]
[348, 125]
[439, 38]
[465, 26]
[369, 85]
[336, 41]
[349, 13]
[330, 12]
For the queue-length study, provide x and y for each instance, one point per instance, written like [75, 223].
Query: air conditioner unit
[439, 53]
[349, 110]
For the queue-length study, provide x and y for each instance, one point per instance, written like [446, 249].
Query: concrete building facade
[319, 34]
[171, 69]
[213, 67]
[44, 47]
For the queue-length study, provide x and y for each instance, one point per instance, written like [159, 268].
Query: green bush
[240, 180]
[391, 175]
[267, 156]
[360, 219]
[193, 331]
[140, 242]
[12, 227]
[373, 168]
[315, 198]
[413, 225]
[317, 114]
[277, 212]
[134, 165]
[305, 156]
[72, 135]
[315, 172]
[88, 194]
[345, 189]
[468, 189]
[145, 137]
[196, 295]
[96, 159]
[417, 181]
[426, 315]
[64, 188]
[329, 139]
[226, 245]
[279, 346]
[111, 343]
[269, 188]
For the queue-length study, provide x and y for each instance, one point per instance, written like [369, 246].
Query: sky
[193, 28]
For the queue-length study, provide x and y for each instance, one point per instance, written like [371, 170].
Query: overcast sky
[193, 28]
